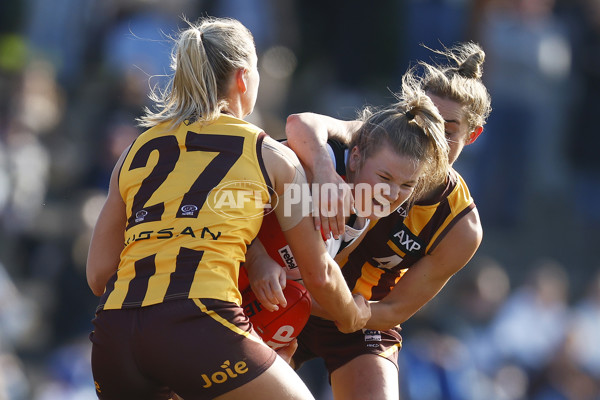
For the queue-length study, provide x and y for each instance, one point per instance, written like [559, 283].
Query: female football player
[404, 259]
[167, 247]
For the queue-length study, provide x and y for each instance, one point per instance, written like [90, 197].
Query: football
[278, 328]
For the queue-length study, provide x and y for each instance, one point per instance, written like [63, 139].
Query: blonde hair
[203, 59]
[460, 81]
[412, 127]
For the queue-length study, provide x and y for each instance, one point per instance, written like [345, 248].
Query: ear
[241, 79]
[354, 159]
[474, 135]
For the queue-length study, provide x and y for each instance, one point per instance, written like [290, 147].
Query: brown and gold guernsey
[195, 197]
[394, 243]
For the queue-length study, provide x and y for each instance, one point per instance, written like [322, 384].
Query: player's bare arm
[307, 135]
[320, 274]
[428, 276]
[266, 277]
[107, 239]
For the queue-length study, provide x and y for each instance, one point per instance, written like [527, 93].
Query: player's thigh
[278, 382]
[366, 377]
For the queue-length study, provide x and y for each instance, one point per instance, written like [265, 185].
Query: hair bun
[470, 60]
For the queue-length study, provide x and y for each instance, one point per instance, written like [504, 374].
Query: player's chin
[380, 210]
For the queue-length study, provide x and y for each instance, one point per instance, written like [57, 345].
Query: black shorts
[321, 338]
[197, 348]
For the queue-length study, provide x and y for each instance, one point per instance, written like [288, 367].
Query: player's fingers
[325, 227]
[330, 227]
[335, 227]
[283, 280]
[341, 214]
[340, 224]
[288, 351]
[265, 299]
[281, 299]
[278, 296]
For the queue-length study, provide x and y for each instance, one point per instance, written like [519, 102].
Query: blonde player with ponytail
[166, 251]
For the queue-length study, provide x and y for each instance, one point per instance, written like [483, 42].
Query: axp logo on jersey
[406, 240]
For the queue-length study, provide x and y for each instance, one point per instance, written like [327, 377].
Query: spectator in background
[585, 142]
[527, 74]
[528, 328]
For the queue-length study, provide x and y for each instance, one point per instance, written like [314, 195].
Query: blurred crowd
[521, 321]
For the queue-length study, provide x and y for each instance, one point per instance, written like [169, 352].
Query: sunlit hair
[412, 127]
[204, 57]
[460, 80]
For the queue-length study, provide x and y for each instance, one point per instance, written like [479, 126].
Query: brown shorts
[321, 338]
[197, 348]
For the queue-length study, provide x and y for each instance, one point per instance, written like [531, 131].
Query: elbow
[319, 281]
[291, 124]
[95, 285]
[295, 124]
[293, 119]
[96, 289]
[315, 282]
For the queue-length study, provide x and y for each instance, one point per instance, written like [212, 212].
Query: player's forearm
[308, 138]
[318, 311]
[385, 316]
[256, 254]
[330, 291]
[401, 304]
[105, 249]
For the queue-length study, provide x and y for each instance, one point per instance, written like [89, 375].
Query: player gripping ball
[277, 328]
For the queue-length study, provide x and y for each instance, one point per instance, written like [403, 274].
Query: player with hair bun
[406, 258]
[397, 153]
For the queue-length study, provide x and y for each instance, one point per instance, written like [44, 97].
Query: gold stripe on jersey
[395, 243]
[226, 323]
[391, 350]
[195, 197]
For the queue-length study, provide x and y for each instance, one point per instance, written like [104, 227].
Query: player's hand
[335, 202]
[361, 318]
[287, 352]
[268, 279]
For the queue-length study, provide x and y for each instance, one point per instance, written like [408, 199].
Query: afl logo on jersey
[189, 209]
[140, 215]
[242, 199]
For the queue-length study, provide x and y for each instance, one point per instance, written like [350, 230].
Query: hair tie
[409, 116]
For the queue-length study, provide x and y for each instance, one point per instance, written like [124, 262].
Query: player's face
[457, 129]
[396, 174]
[253, 81]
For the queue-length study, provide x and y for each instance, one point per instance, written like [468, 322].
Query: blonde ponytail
[204, 57]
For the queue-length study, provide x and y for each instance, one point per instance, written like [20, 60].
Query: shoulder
[281, 163]
[277, 154]
[460, 187]
[463, 238]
